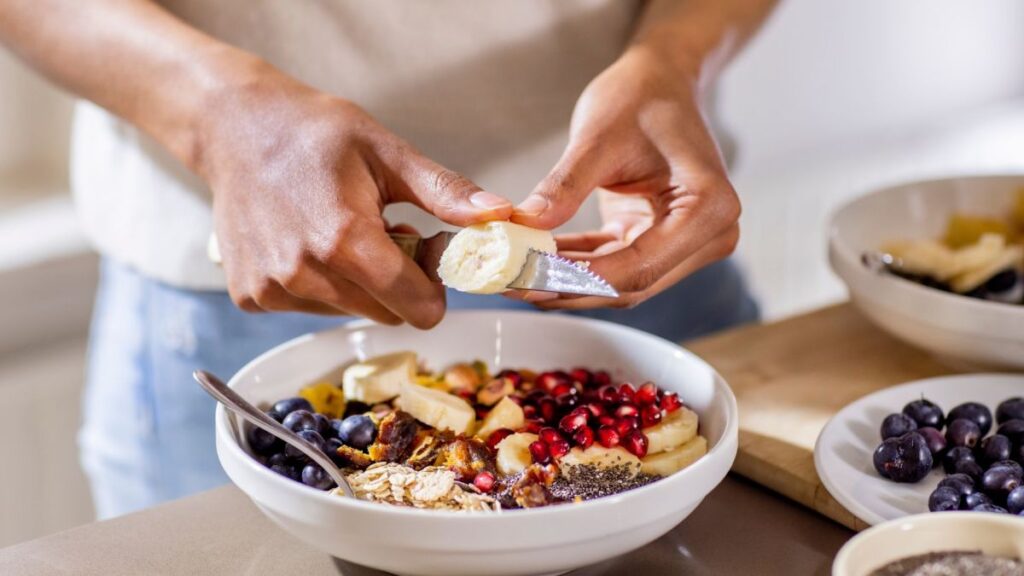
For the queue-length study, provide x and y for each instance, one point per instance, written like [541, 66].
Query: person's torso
[484, 88]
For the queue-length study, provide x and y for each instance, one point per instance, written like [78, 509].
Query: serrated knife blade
[553, 273]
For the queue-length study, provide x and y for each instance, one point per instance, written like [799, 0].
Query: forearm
[699, 37]
[131, 57]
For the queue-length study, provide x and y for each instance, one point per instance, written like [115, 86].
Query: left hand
[638, 132]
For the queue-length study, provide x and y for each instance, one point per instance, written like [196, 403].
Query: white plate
[842, 454]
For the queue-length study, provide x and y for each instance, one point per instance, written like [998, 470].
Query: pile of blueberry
[297, 415]
[984, 472]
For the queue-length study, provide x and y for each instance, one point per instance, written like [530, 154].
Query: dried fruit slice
[435, 408]
[506, 414]
[667, 463]
[486, 258]
[380, 378]
[676, 429]
[514, 453]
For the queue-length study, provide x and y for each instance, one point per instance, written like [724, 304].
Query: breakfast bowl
[968, 331]
[991, 534]
[546, 540]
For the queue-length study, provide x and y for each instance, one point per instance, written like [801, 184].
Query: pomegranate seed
[484, 481]
[609, 394]
[549, 435]
[515, 377]
[566, 401]
[482, 412]
[548, 409]
[517, 399]
[625, 425]
[581, 375]
[627, 393]
[650, 416]
[529, 411]
[602, 378]
[549, 380]
[467, 396]
[558, 448]
[596, 410]
[607, 437]
[627, 410]
[670, 402]
[584, 437]
[497, 436]
[635, 442]
[574, 420]
[540, 453]
[533, 425]
[562, 389]
[606, 420]
[647, 394]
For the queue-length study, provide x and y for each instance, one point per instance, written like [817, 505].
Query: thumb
[449, 195]
[557, 198]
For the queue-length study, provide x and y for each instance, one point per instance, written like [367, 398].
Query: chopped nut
[495, 390]
[462, 378]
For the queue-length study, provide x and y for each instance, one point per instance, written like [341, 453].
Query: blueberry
[354, 407]
[278, 459]
[323, 425]
[1015, 500]
[1002, 287]
[1014, 430]
[903, 459]
[995, 448]
[300, 420]
[954, 455]
[262, 442]
[1011, 464]
[282, 408]
[357, 431]
[964, 466]
[288, 471]
[974, 411]
[991, 508]
[331, 447]
[896, 425]
[315, 477]
[925, 413]
[963, 483]
[936, 442]
[312, 437]
[963, 432]
[944, 499]
[972, 501]
[1010, 409]
[999, 481]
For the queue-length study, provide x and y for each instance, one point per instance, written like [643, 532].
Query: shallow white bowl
[547, 540]
[995, 534]
[957, 327]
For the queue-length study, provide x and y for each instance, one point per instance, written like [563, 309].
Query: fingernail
[488, 201]
[533, 206]
[540, 296]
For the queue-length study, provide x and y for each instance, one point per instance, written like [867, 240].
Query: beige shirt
[485, 88]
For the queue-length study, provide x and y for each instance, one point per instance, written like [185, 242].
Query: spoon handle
[240, 406]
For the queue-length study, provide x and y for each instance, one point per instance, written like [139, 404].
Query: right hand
[300, 179]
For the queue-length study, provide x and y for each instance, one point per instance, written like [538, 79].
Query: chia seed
[952, 564]
[587, 482]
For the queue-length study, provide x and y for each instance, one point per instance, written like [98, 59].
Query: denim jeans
[147, 433]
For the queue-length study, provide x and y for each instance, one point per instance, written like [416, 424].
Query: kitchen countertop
[740, 529]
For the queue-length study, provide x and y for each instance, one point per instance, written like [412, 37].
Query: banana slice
[505, 414]
[380, 378]
[668, 463]
[514, 452]
[1010, 257]
[676, 429]
[486, 258]
[599, 457]
[926, 257]
[436, 408]
[979, 255]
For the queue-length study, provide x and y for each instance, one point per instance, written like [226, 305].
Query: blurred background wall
[832, 98]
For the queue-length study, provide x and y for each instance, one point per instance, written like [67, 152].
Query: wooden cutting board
[790, 377]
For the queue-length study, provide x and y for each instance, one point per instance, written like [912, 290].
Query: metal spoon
[240, 406]
[877, 261]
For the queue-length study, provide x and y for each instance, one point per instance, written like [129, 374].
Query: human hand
[300, 179]
[638, 132]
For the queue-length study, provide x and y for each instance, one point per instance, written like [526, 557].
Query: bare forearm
[129, 56]
[700, 36]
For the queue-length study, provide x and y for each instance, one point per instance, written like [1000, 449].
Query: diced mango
[326, 398]
[964, 230]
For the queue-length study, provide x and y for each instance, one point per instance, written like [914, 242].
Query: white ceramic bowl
[546, 540]
[996, 534]
[965, 329]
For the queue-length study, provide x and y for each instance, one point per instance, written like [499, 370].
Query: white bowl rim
[845, 252]
[842, 559]
[729, 435]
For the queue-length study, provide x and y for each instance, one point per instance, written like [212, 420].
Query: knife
[542, 271]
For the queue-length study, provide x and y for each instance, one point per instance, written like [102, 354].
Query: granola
[432, 487]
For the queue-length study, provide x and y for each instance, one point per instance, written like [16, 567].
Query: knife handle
[408, 243]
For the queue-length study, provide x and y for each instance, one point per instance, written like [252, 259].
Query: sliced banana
[979, 255]
[667, 463]
[676, 429]
[505, 414]
[437, 408]
[380, 378]
[486, 258]
[599, 457]
[514, 453]
[925, 257]
[1010, 257]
